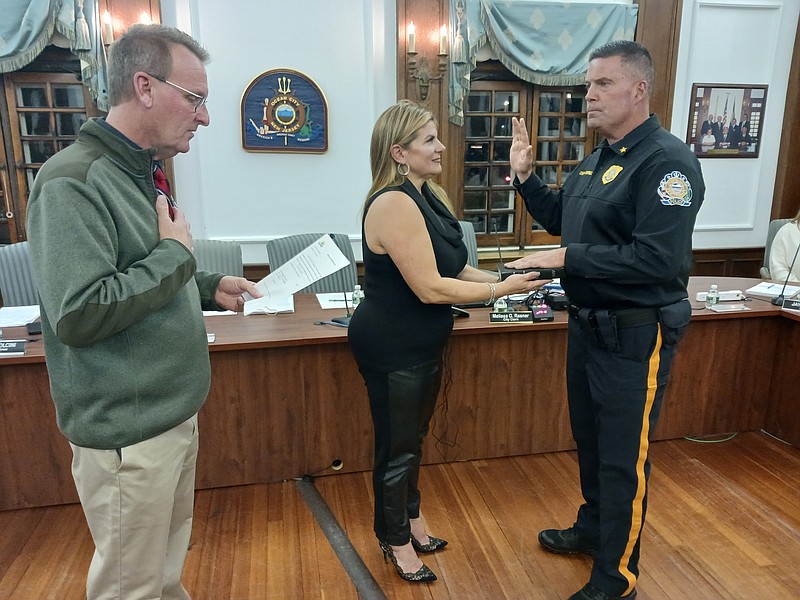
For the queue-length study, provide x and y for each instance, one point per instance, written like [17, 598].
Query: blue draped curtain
[545, 43]
[27, 27]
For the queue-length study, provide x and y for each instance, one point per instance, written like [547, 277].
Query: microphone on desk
[346, 319]
[778, 300]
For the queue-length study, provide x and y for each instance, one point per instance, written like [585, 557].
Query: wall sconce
[108, 29]
[420, 71]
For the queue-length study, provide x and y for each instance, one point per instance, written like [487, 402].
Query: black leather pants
[402, 404]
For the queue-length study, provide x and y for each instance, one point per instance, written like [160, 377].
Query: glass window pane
[38, 152]
[502, 127]
[478, 222]
[479, 102]
[573, 150]
[34, 123]
[69, 123]
[503, 199]
[30, 174]
[501, 175]
[536, 227]
[477, 152]
[548, 173]
[549, 127]
[550, 102]
[474, 200]
[31, 95]
[506, 102]
[476, 176]
[547, 151]
[68, 96]
[576, 103]
[502, 223]
[477, 127]
[574, 127]
[501, 151]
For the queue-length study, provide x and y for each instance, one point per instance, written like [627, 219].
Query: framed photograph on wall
[725, 120]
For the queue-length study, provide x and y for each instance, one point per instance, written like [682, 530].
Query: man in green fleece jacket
[121, 304]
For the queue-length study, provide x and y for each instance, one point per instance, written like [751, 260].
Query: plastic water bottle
[358, 296]
[712, 296]
[500, 305]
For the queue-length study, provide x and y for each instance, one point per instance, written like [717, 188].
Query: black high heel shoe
[423, 575]
[433, 544]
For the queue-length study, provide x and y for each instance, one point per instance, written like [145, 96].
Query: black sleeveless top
[392, 329]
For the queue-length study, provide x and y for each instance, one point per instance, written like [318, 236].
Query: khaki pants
[138, 505]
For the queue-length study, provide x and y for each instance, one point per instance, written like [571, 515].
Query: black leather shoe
[566, 541]
[433, 544]
[589, 592]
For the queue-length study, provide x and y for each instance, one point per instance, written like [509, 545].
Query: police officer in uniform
[625, 217]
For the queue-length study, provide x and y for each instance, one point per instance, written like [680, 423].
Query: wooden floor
[723, 522]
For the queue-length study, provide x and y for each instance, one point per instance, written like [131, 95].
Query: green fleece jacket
[125, 339]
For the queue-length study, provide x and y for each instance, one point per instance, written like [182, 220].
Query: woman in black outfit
[414, 269]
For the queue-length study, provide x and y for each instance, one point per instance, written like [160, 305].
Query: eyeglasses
[196, 99]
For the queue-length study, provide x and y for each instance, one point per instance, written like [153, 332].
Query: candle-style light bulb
[108, 28]
[412, 32]
[145, 18]
[443, 40]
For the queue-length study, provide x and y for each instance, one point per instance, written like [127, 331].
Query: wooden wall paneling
[658, 28]
[730, 262]
[786, 198]
[495, 403]
[715, 377]
[44, 449]
[783, 418]
[282, 418]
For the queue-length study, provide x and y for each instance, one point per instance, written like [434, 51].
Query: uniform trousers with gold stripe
[615, 397]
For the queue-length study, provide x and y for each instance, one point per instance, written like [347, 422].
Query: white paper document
[773, 290]
[319, 260]
[726, 308]
[340, 300]
[16, 316]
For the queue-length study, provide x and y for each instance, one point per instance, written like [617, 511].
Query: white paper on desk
[773, 290]
[335, 300]
[319, 260]
[217, 313]
[17, 316]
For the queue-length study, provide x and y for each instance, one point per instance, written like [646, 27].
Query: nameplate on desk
[791, 304]
[512, 316]
[12, 348]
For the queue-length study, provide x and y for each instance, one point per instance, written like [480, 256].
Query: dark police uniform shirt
[626, 215]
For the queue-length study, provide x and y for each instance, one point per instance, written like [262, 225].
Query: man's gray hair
[633, 55]
[145, 48]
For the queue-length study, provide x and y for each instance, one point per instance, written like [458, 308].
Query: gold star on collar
[623, 150]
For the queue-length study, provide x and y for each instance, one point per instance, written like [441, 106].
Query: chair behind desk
[774, 226]
[470, 242]
[219, 256]
[281, 250]
[17, 283]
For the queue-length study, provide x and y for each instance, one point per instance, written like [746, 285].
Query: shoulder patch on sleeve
[675, 190]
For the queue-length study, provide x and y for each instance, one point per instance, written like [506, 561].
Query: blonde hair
[399, 124]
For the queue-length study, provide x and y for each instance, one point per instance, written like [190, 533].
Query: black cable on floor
[367, 587]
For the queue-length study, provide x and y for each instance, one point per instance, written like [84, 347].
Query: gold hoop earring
[401, 172]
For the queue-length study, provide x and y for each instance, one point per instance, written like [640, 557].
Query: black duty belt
[625, 317]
